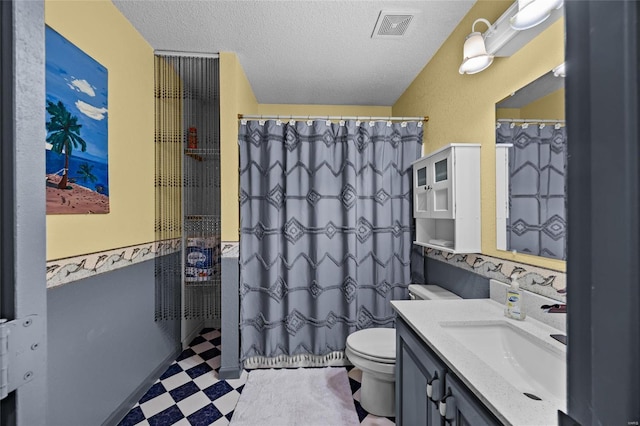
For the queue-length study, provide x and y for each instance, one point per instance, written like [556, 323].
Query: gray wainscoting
[462, 282]
[105, 348]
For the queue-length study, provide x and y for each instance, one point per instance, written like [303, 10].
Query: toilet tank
[430, 292]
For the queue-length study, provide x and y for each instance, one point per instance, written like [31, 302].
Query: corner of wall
[236, 97]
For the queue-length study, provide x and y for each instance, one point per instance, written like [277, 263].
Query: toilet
[373, 351]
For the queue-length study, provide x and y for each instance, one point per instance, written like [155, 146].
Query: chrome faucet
[558, 308]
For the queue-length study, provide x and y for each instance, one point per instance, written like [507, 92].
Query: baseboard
[135, 396]
[195, 333]
[228, 373]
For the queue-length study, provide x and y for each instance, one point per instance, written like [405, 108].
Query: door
[421, 188]
[603, 106]
[459, 407]
[440, 188]
[419, 381]
[7, 405]
[22, 197]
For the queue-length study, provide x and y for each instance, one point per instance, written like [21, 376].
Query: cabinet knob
[429, 188]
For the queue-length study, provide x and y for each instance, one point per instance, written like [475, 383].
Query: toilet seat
[374, 344]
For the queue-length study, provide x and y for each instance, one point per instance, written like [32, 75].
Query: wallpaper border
[230, 249]
[66, 270]
[535, 279]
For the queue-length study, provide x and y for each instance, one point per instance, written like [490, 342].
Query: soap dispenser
[513, 305]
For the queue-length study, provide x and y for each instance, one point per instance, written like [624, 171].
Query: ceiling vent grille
[391, 24]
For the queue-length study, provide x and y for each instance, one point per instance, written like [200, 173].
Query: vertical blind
[187, 148]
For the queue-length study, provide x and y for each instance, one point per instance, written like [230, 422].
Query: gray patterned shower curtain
[325, 238]
[537, 202]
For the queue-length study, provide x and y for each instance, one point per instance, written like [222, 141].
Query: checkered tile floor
[189, 392]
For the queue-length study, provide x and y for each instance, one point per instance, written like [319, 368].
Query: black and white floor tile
[189, 392]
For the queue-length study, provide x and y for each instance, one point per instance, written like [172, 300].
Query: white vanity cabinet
[446, 199]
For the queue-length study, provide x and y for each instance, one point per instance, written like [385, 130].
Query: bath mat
[296, 397]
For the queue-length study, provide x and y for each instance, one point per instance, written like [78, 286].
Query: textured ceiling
[304, 52]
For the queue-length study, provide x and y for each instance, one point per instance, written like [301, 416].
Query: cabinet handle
[429, 188]
[447, 405]
[434, 379]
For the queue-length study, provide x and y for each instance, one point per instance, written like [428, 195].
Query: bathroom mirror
[531, 158]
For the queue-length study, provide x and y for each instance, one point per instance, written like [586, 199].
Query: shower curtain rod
[526, 120]
[328, 117]
[186, 54]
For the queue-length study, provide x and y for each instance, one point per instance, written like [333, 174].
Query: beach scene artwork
[77, 167]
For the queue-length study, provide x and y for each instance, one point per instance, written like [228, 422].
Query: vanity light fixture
[533, 12]
[475, 57]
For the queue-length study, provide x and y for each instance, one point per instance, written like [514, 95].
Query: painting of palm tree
[76, 121]
[64, 135]
[84, 173]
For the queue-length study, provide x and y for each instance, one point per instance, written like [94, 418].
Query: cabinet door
[459, 407]
[419, 382]
[502, 194]
[440, 185]
[421, 170]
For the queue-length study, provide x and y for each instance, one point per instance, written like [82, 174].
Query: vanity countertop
[506, 402]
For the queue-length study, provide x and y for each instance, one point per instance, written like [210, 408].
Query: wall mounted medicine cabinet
[446, 199]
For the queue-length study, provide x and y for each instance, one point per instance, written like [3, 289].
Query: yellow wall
[236, 97]
[319, 110]
[101, 31]
[461, 108]
[507, 113]
[550, 107]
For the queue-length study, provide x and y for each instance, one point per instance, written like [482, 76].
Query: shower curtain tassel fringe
[301, 360]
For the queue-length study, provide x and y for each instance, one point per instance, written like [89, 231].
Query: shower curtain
[537, 188]
[325, 238]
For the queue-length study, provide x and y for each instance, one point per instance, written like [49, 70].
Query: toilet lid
[378, 343]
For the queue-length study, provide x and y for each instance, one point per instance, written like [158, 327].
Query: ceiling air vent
[391, 24]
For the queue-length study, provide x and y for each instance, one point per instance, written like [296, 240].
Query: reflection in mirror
[531, 159]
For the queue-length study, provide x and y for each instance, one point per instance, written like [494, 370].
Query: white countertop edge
[506, 402]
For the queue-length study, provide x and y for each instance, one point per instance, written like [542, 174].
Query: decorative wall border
[230, 249]
[64, 271]
[545, 282]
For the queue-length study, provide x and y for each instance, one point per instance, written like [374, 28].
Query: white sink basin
[533, 366]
